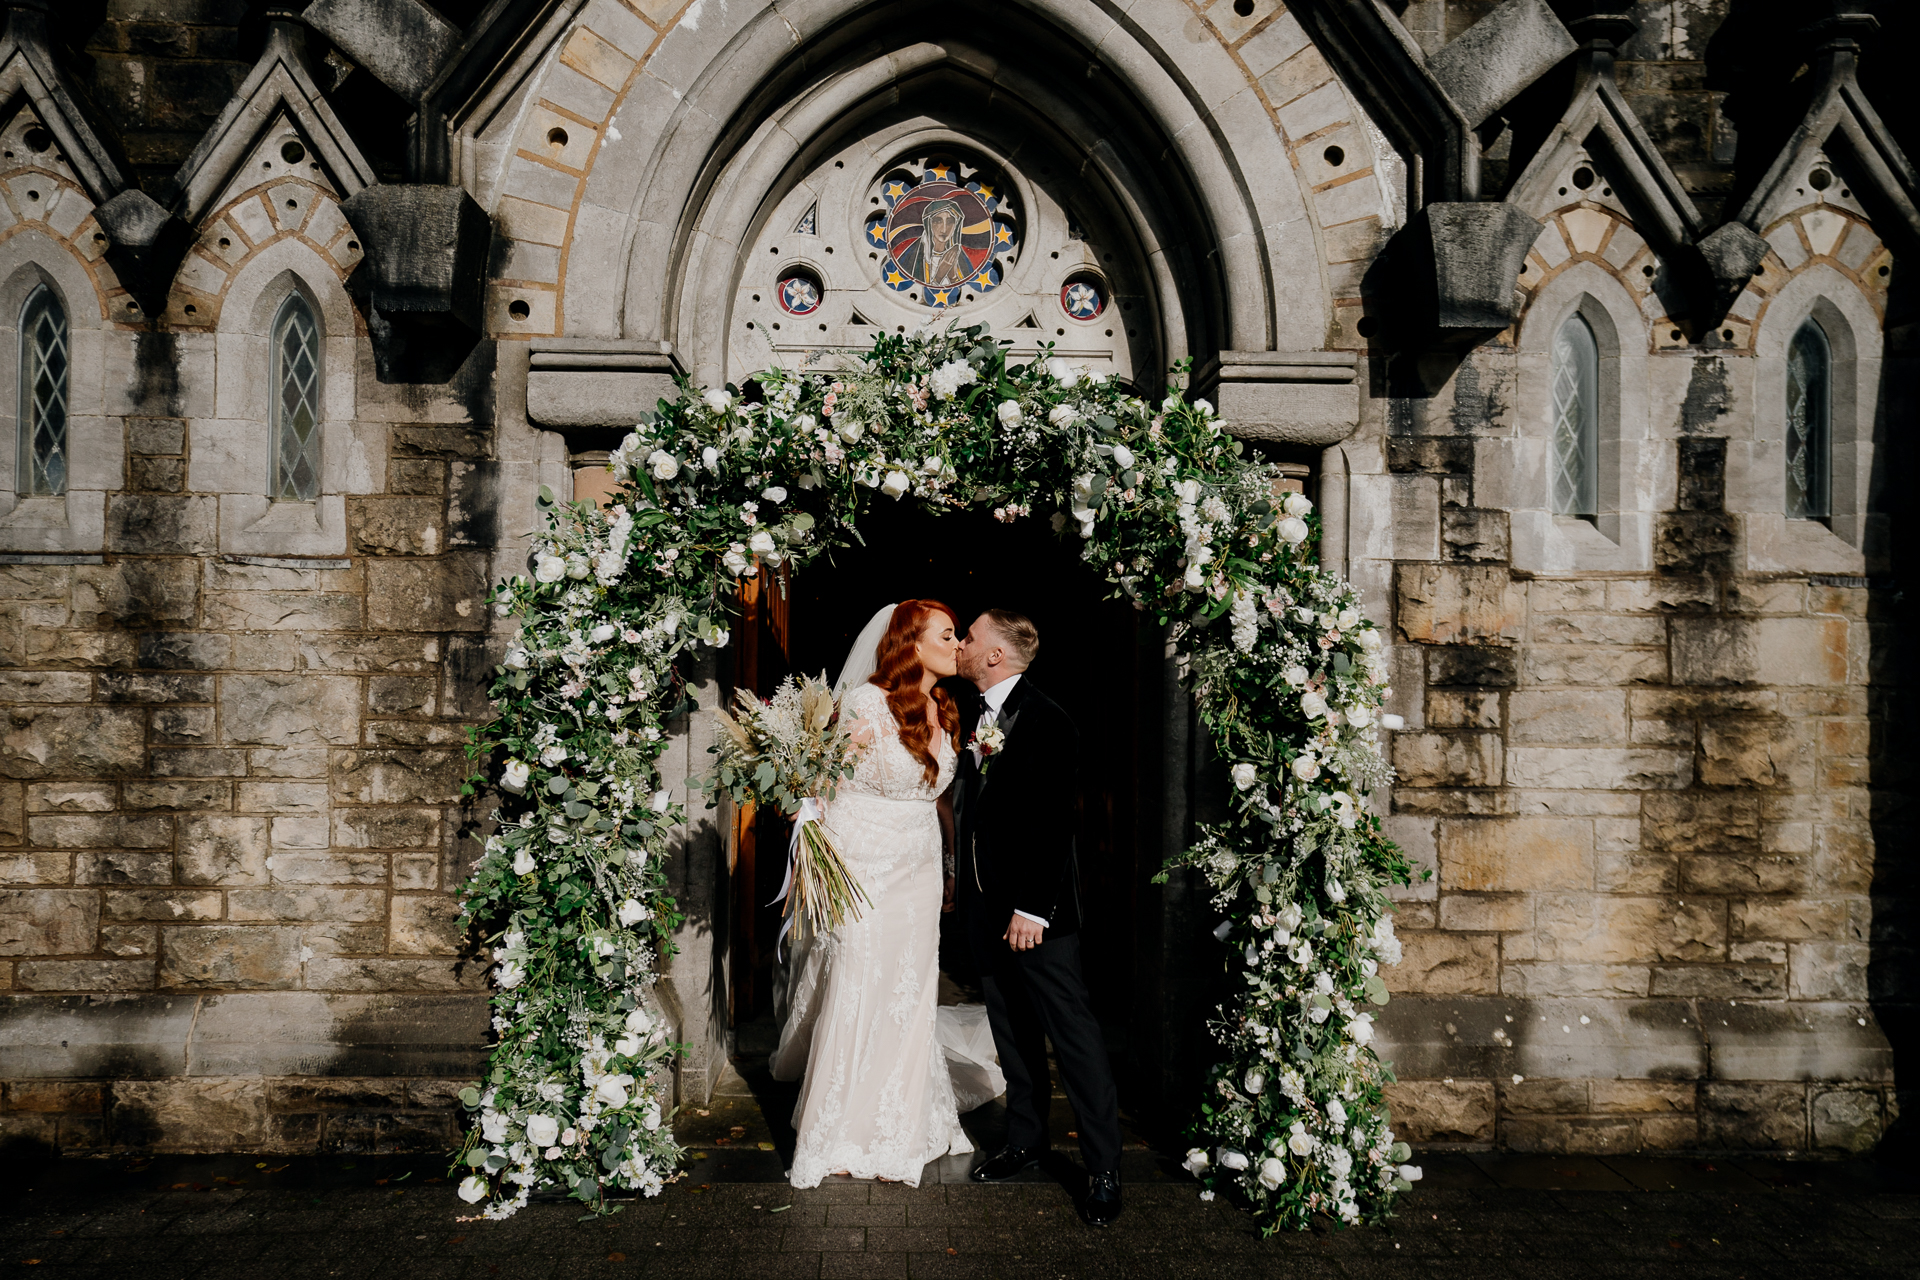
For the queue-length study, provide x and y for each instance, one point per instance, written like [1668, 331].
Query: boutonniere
[989, 742]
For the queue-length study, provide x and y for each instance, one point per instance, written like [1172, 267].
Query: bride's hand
[946, 896]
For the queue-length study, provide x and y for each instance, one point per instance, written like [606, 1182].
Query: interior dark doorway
[1098, 658]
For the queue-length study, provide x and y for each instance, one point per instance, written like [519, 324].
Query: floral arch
[1286, 672]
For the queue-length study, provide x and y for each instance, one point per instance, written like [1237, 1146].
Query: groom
[1018, 890]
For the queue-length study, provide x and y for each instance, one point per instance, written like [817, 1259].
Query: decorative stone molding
[401, 43]
[423, 279]
[1840, 122]
[584, 386]
[1292, 397]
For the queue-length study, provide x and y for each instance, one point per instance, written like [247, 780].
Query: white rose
[1254, 1082]
[1008, 412]
[735, 560]
[1312, 705]
[627, 1046]
[493, 1126]
[632, 912]
[1204, 406]
[549, 568]
[1195, 577]
[1337, 1114]
[1123, 457]
[710, 458]
[1306, 768]
[1196, 1162]
[1302, 953]
[774, 493]
[718, 400]
[895, 484]
[662, 800]
[517, 659]
[612, 1092]
[577, 566]
[1362, 1029]
[1369, 640]
[542, 1131]
[1188, 491]
[651, 1120]
[761, 543]
[1272, 1173]
[1295, 505]
[663, 465]
[523, 863]
[514, 777]
[1063, 373]
[1359, 717]
[1228, 1158]
[473, 1188]
[510, 975]
[602, 633]
[1295, 675]
[851, 430]
[553, 756]
[1062, 415]
[638, 1022]
[1292, 531]
[1244, 775]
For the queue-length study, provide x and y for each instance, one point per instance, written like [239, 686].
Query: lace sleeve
[882, 764]
[864, 714]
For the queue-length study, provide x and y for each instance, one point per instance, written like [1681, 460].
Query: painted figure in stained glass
[941, 236]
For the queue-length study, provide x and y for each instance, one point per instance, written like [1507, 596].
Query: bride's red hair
[897, 669]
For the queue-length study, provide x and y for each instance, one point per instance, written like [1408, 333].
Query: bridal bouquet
[788, 751]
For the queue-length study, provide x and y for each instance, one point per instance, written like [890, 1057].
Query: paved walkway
[242, 1218]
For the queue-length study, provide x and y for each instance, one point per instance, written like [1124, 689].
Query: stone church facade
[1584, 323]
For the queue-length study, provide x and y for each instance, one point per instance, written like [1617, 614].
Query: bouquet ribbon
[809, 812]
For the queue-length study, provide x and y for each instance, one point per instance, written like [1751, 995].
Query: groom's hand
[1023, 934]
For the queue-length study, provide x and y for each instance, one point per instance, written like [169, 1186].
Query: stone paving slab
[1474, 1216]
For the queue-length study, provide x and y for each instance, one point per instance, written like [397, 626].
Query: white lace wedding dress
[877, 1098]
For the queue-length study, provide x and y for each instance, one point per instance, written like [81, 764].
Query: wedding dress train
[862, 1028]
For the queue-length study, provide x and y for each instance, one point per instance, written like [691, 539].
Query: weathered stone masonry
[1653, 753]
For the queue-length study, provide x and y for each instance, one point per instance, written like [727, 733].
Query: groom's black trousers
[1034, 996]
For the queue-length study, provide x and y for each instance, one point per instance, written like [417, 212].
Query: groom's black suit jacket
[1017, 817]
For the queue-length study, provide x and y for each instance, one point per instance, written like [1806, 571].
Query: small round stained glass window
[1083, 296]
[800, 291]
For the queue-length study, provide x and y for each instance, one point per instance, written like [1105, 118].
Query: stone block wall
[230, 788]
[1647, 801]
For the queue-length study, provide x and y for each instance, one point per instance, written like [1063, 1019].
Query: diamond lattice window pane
[296, 409]
[1574, 454]
[1809, 425]
[43, 395]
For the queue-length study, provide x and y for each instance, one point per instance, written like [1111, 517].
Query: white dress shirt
[996, 698]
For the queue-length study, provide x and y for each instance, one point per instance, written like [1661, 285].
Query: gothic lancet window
[1809, 424]
[296, 403]
[1576, 420]
[42, 467]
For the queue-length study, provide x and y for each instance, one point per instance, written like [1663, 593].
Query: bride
[877, 1099]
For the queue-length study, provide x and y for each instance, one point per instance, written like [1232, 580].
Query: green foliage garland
[1286, 671]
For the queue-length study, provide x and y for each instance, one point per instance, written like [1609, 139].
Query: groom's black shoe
[1004, 1163]
[1102, 1204]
